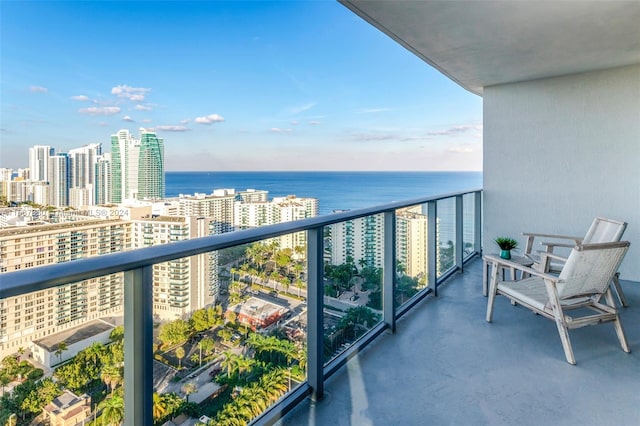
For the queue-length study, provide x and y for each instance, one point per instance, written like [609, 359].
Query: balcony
[428, 355]
[460, 212]
[446, 365]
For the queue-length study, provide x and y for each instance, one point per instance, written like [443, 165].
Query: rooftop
[73, 335]
[446, 365]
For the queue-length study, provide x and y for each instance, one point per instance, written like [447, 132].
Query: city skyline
[230, 86]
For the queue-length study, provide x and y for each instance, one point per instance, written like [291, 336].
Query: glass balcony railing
[296, 301]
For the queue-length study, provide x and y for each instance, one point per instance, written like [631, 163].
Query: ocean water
[334, 190]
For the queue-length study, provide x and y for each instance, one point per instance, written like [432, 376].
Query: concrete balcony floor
[446, 366]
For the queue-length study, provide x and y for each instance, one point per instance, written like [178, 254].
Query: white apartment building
[32, 316]
[363, 239]
[182, 285]
[218, 206]
[359, 239]
[6, 174]
[279, 210]
[39, 162]
[82, 163]
[102, 185]
[412, 241]
[58, 177]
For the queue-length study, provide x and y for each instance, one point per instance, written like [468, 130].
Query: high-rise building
[280, 209]
[150, 166]
[32, 316]
[58, 177]
[137, 166]
[252, 196]
[358, 240]
[182, 285]
[218, 206]
[39, 162]
[124, 166]
[411, 241]
[6, 174]
[102, 185]
[82, 167]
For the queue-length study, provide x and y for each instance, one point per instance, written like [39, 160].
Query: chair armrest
[499, 262]
[551, 245]
[559, 237]
[552, 256]
[532, 235]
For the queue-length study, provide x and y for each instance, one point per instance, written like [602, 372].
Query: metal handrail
[137, 268]
[44, 277]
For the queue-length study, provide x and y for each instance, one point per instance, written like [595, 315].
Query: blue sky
[295, 85]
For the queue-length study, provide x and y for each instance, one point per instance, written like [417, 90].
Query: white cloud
[455, 130]
[372, 110]
[38, 89]
[127, 118]
[302, 108]
[209, 119]
[185, 121]
[294, 122]
[173, 128]
[142, 108]
[135, 94]
[82, 98]
[147, 120]
[279, 130]
[100, 111]
[314, 122]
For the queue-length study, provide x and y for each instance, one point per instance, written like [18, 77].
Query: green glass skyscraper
[150, 167]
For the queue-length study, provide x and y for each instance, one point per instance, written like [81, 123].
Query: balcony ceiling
[483, 43]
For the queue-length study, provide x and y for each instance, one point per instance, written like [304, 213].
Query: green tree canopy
[174, 332]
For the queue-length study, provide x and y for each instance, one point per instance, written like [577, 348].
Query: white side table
[489, 258]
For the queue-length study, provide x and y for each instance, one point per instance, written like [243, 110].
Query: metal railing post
[477, 229]
[138, 340]
[459, 250]
[315, 319]
[389, 271]
[432, 245]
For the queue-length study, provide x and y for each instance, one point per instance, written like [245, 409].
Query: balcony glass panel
[446, 234]
[249, 345]
[352, 281]
[468, 224]
[233, 351]
[412, 248]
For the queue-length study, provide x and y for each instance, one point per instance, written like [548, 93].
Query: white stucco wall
[559, 152]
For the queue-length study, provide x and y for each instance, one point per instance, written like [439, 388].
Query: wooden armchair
[584, 280]
[602, 230]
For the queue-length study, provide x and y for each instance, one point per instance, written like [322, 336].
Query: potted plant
[506, 244]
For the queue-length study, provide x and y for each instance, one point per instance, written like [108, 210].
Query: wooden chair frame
[550, 303]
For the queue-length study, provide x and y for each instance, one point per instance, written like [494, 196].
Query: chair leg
[493, 290]
[618, 289]
[618, 324]
[566, 343]
[621, 336]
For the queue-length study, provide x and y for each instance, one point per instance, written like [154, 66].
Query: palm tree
[160, 408]
[62, 346]
[229, 362]
[196, 359]
[180, 354]
[189, 388]
[299, 285]
[112, 410]
[206, 345]
[111, 376]
[95, 353]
